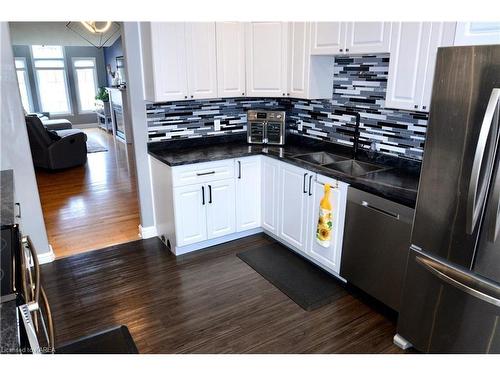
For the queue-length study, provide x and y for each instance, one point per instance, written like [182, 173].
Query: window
[86, 83]
[24, 85]
[51, 79]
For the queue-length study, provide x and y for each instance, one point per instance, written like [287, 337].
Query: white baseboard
[85, 126]
[47, 257]
[147, 232]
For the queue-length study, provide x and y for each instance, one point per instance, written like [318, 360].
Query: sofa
[55, 150]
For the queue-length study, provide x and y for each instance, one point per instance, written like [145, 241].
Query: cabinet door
[230, 59]
[201, 60]
[168, 51]
[328, 256]
[293, 197]
[328, 38]
[248, 186]
[476, 33]
[368, 37]
[407, 65]
[269, 201]
[190, 214]
[221, 212]
[298, 59]
[441, 35]
[266, 44]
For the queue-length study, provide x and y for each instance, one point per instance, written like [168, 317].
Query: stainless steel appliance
[266, 127]
[376, 261]
[451, 297]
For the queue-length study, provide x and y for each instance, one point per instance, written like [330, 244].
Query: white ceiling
[56, 33]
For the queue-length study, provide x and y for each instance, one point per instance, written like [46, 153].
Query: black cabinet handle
[416, 106]
[209, 193]
[304, 184]
[185, 97]
[239, 169]
[347, 49]
[205, 173]
[310, 181]
[18, 210]
[341, 50]
[203, 195]
[192, 96]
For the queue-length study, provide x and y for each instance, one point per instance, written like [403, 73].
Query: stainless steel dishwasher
[376, 245]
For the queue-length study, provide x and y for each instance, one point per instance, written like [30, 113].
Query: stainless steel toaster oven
[266, 127]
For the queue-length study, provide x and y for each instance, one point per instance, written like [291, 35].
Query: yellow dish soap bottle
[325, 224]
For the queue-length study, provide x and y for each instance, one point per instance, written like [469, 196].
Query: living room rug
[94, 146]
[304, 283]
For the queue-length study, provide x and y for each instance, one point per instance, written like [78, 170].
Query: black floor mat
[306, 284]
[116, 340]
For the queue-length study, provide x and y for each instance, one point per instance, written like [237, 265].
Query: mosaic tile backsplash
[195, 118]
[360, 84]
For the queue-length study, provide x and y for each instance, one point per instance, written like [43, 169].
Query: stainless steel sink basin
[354, 168]
[320, 158]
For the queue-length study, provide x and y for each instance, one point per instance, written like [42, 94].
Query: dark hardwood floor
[94, 205]
[204, 302]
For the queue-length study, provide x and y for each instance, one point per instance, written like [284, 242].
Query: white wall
[133, 66]
[15, 150]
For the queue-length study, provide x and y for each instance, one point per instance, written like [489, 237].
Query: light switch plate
[217, 124]
[299, 125]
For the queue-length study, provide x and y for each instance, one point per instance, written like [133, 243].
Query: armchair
[55, 150]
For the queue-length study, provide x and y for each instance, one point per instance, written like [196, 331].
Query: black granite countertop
[9, 342]
[7, 197]
[398, 181]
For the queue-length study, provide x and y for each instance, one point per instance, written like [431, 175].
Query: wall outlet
[217, 124]
[299, 125]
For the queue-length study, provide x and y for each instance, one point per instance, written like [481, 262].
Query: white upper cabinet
[266, 44]
[334, 38]
[412, 61]
[164, 61]
[230, 59]
[298, 59]
[328, 38]
[179, 60]
[442, 34]
[368, 37]
[309, 77]
[201, 60]
[475, 33]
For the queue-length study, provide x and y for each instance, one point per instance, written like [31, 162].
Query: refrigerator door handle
[473, 209]
[465, 281]
[495, 211]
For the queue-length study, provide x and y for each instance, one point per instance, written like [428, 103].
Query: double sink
[340, 164]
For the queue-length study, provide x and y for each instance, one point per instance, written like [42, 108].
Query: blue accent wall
[69, 54]
[110, 55]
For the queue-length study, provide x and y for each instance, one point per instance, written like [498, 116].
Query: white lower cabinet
[327, 256]
[269, 189]
[190, 214]
[293, 198]
[203, 204]
[220, 206]
[248, 192]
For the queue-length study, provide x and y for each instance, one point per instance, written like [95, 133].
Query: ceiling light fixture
[97, 33]
[92, 26]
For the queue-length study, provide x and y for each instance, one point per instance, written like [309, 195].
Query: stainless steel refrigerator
[451, 295]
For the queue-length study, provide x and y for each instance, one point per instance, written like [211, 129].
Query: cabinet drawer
[202, 172]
